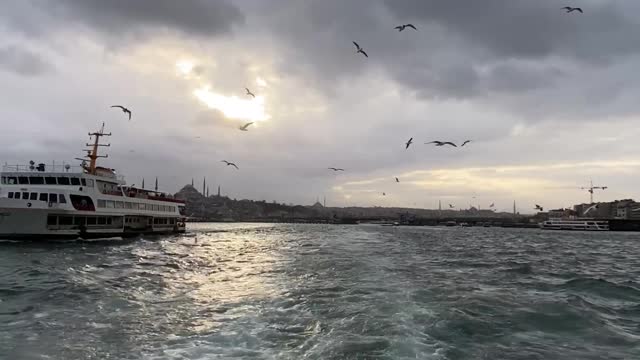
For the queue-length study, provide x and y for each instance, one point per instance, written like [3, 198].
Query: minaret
[514, 207]
[324, 202]
[439, 205]
[143, 183]
[156, 187]
[204, 185]
[207, 191]
[218, 190]
[191, 181]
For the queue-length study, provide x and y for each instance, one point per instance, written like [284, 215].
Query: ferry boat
[575, 224]
[87, 201]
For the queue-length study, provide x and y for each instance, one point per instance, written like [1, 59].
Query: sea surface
[265, 291]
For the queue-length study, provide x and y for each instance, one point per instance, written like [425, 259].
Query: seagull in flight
[401, 27]
[397, 180]
[451, 206]
[384, 194]
[360, 49]
[572, 9]
[408, 143]
[442, 143]
[335, 169]
[590, 208]
[124, 110]
[230, 164]
[249, 92]
[492, 205]
[538, 207]
[245, 126]
[465, 142]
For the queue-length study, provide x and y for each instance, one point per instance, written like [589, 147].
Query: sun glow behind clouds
[185, 67]
[233, 107]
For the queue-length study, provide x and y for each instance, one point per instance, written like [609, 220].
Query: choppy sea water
[261, 291]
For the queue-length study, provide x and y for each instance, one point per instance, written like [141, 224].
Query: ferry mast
[92, 154]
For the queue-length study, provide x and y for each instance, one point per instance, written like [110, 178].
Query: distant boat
[450, 223]
[575, 224]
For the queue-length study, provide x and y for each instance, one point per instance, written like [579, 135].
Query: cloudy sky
[549, 99]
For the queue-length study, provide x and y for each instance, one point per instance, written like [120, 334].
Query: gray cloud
[123, 17]
[22, 61]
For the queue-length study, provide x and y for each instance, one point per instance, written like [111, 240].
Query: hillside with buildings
[218, 207]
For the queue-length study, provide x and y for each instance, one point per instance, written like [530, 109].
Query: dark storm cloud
[117, 17]
[22, 61]
[462, 49]
[531, 29]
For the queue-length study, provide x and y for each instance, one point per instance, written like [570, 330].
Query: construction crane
[591, 188]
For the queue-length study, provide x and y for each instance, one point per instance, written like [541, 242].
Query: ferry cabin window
[89, 182]
[75, 181]
[110, 204]
[33, 196]
[102, 203]
[119, 205]
[44, 197]
[102, 221]
[16, 195]
[62, 199]
[128, 205]
[11, 180]
[23, 180]
[10, 195]
[109, 221]
[78, 220]
[50, 180]
[36, 180]
[91, 221]
[25, 195]
[53, 198]
[65, 220]
[52, 220]
[63, 180]
[83, 181]
[3, 180]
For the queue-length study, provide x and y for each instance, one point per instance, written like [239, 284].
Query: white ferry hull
[575, 225]
[31, 224]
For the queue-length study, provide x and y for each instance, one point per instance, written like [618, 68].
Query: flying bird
[384, 194]
[408, 143]
[492, 205]
[538, 207]
[249, 92]
[335, 169]
[451, 206]
[245, 126]
[230, 164]
[465, 142]
[124, 110]
[360, 49]
[397, 180]
[572, 9]
[442, 143]
[402, 27]
[591, 208]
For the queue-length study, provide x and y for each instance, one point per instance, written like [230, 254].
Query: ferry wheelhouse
[39, 201]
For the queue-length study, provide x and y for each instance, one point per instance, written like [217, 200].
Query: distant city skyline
[549, 104]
